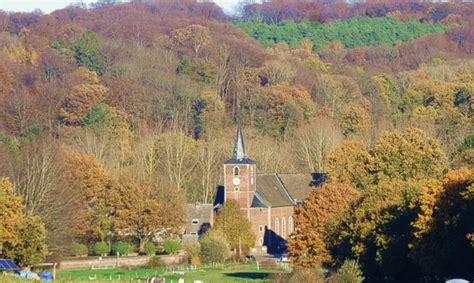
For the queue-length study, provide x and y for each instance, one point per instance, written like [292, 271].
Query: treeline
[396, 208]
[144, 98]
[353, 32]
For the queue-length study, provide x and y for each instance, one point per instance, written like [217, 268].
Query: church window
[290, 225]
[251, 181]
[236, 171]
[195, 221]
[277, 226]
[260, 241]
[283, 227]
[260, 228]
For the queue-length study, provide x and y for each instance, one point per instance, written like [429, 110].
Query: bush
[193, 250]
[348, 273]
[101, 248]
[78, 249]
[172, 247]
[149, 248]
[155, 261]
[214, 248]
[299, 275]
[121, 247]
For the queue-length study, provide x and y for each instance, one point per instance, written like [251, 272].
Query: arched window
[277, 226]
[290, 225]
[236, 171]
[283, 228]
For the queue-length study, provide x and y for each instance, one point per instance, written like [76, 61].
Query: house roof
[298, 185]
[271, 191]
[202, 212]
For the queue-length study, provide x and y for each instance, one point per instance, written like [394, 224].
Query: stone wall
[112, 261]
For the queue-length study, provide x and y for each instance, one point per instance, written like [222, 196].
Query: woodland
[114, 115]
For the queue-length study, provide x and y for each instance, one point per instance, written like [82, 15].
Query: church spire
[239, 147]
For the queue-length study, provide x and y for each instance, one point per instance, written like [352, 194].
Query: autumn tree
[376, 229]
[324, 204]
[22, 237]
[194, 36]
[95, 190]
[406, 155]
[31, 247]
[235, 227]
[82, 97]
[445, 215]
[141, 214]
[10, 213]
[349, 164]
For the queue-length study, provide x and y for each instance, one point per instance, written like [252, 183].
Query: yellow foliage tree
[306, 246]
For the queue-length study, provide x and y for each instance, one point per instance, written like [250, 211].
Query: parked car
[284, 259]
[250, 258]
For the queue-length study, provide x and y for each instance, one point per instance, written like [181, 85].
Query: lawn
[228, 273]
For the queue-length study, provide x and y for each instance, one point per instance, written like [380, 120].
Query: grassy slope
[230, 273]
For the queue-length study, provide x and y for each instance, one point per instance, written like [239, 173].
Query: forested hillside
[111, 105]
[353, 32]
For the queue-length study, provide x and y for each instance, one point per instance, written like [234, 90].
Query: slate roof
[298, 185]
[203, 213]
[271, 191]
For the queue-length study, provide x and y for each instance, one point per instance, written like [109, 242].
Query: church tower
[240, 176]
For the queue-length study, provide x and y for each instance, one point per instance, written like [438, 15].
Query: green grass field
[229, 273]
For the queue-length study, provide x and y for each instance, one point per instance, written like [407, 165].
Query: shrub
[149, 248]
[121, 247]
[155, 261]
[193, 250]
[299, 275]
[79, 249]
[172, 247]
[348, 273]
[214, 248]
[101, 248]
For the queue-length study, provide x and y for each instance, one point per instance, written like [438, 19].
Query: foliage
[214, 247]
[22, 237]
[140, 213]
[155, 261]
[445, 214]
[353, 32]
[172, 246]
[79, 249]
[193, 250]
[349, 272]
[101, 248]
[236, 228]
[306, 248]
[376, 230]
[10, 212]
[406, 155]
[299, 275]
[349, 164]
[149, 248]
[121, 248]
[31, 247]
[87, 52]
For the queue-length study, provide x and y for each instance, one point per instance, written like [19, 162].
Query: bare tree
[315, 141]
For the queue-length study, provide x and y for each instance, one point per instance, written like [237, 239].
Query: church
[268, 200]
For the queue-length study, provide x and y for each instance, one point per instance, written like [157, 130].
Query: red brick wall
[246, 190]
[259, 216]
